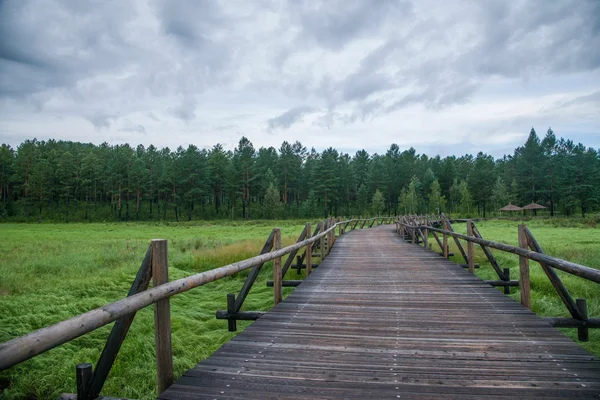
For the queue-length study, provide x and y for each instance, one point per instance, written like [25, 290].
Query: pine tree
[378, 202]
[271, 202]
[437, 201]
[500, 196]
[362, 199]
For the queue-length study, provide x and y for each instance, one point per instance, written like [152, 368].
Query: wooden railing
[418, 228]
[155, 266]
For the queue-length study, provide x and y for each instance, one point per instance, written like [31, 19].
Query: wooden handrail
[25, 347]
[582, 271]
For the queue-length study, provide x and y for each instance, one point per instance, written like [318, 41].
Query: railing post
[298, 265]
[83, 374]
[445, 242]
[322, 240]
[524, 284]
[162, 317]
[506, 279]
[582, 333]
[425, 237]
[277, 295]
[331, 235]
[470, 247]
[231, 322]
[308, 251]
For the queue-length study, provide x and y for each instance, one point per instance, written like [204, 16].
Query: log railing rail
[155, 266]
[413, 227]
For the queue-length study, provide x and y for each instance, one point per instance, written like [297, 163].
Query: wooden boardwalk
[384, 319]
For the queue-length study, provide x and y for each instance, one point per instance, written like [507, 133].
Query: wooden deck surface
[385, 319]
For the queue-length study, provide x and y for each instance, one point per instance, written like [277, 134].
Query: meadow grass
[51, 272]
[576, 242]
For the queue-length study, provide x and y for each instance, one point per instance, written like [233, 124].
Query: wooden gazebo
[510, 207]
[534, 206]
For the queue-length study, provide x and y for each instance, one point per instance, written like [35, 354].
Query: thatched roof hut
[534, 206]
[511, 207]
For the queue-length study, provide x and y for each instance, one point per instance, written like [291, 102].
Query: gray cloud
[349, 63]
[288, 118]
[333, 24]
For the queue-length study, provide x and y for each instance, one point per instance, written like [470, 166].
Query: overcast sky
[446, 77]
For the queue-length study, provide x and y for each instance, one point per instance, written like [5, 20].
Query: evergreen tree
[437, 201]
[500, 195]
[362, 199]
[271, 203]
[378, 202]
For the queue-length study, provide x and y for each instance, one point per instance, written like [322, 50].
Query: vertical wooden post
[231, 322]
[308, 251]
[162, 317]
[425, 237]
[298, 266]
[322, 240]
[330, 235]
[506, 279]
[582, 333]
[445, 242]
[470, 247]
[83, 375]
[524, 284]
[277, 293]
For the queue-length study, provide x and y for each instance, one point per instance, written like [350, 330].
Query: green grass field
[51, 272]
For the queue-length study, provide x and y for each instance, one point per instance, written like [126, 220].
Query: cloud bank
[439, 76]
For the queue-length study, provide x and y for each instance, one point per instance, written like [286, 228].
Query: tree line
[66, 181]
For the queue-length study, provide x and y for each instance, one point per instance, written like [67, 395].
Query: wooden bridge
[382, 318]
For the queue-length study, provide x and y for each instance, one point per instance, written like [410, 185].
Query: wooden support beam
[437, 239]
[322, 244]
[507, 279]
[162, 317]
[231, 323]
[488, 254]
[240, 315]
[445, 246]
[83, 374]
[292, 255]
[308, 253]
[253, 274]
[502, 283]
[458, 243]
[470, 248]
[524, 284]
[303, 266]
[287, 283]
[573, 323]
[277, 292]
[120, 329]
[298, 265]
[559, 286]
[582, 333]
[468, 266]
